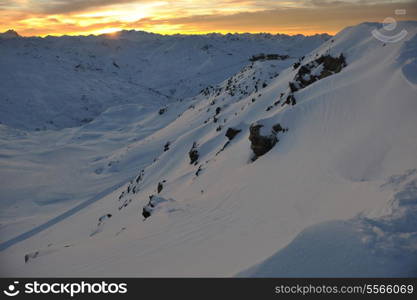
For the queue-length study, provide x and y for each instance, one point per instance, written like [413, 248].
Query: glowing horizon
[84, 17]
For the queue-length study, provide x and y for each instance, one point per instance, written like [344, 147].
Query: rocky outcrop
[193, 154]
[261, 144]
[125, 198]
[317, 69]
[149, 208]
[160, 187]
[31, 255]
[146, 213]
[277, 128]
[197, 173]
[162, 111]
[166, 146]
[232, 132]
[290, 100]
[271, 56]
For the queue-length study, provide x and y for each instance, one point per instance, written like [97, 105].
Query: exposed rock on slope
[261, 144]
[193, 154]
[231, 133]
[319, 68]
[154, 202]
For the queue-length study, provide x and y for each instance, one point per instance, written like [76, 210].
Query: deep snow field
[98, 135]
[67, 112]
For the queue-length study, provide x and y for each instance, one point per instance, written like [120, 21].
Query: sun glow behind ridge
[59, 17]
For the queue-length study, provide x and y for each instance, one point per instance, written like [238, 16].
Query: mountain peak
[9, 34]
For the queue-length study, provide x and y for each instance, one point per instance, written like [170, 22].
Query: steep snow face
[367, 245]
[54, 83]
[46, 172]
[344, 153]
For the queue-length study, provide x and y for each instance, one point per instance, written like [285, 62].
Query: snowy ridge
[61, 82]
[205, 206]
[113, 86]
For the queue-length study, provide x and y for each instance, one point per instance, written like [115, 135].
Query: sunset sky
[58, 17]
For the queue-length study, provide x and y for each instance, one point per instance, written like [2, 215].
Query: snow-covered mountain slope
[59, 82]
[47, 172]
[260, 174]
[367, 245]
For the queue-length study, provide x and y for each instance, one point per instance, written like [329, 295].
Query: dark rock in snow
[290, 100]
[198, 171]
[231, 133]
[30, 256]
[166, 146]
[193, 154]
[293, 87]
[333, 64]
[271, 56]
[145, 212]
[149, 208]
[160, 187]
[277, 128]
[140, 176]
[330, 65]
[162, 111]
[261, 144]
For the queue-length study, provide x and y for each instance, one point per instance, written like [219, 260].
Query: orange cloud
[291, 20]
[58, 17]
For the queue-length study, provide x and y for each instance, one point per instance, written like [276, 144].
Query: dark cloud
[338, 3]
[8, 4]
[67, 6]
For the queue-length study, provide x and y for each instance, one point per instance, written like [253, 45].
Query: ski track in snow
[57, 219]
